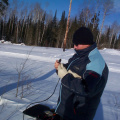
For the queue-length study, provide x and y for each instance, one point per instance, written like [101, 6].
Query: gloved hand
[61, 71]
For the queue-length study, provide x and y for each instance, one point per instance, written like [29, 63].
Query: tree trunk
[64, 44]
[111, 38]
[99, 35]
[17, 34]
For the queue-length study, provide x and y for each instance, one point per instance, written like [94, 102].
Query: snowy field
[33, 67]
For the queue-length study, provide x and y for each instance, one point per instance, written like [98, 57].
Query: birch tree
[64, 46]
[97, 6]
[107, 8]
[115, 28]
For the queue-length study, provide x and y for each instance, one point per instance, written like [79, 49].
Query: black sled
[40, 112]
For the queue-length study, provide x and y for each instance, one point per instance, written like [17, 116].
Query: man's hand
[62, 70]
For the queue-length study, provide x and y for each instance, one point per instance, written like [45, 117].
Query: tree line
[39, 28]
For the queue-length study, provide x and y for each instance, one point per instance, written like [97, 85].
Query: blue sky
[60, 5]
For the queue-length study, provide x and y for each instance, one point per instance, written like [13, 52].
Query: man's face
[80, 47]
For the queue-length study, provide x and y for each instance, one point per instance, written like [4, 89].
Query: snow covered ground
[34, 67]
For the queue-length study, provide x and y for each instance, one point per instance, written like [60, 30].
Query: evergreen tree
[54, 29]
[81, 19]
[54, 21]
[48, 36]
[1, 29]
[61, 30]
[107, 38]
[117, 44]
[74, 26]
[113, 41]
[29, 32]
[42, 28]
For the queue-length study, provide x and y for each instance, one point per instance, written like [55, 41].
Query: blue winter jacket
[79, 98]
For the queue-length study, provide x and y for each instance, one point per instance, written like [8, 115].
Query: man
[83, 79]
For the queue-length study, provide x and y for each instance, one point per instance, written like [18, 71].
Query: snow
[35, 66]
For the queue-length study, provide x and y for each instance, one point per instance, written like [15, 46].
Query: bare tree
[107, 7]
[115, 28]
[20, 70]
[88, 11]
[97, 5]
[22, 20]
[3, 6]
[67, 26]
[38, 14]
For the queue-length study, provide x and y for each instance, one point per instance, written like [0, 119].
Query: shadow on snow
[12, 86]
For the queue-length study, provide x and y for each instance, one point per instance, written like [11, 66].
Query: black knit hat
[83, 36]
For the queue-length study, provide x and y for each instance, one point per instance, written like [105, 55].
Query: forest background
[37, 27]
